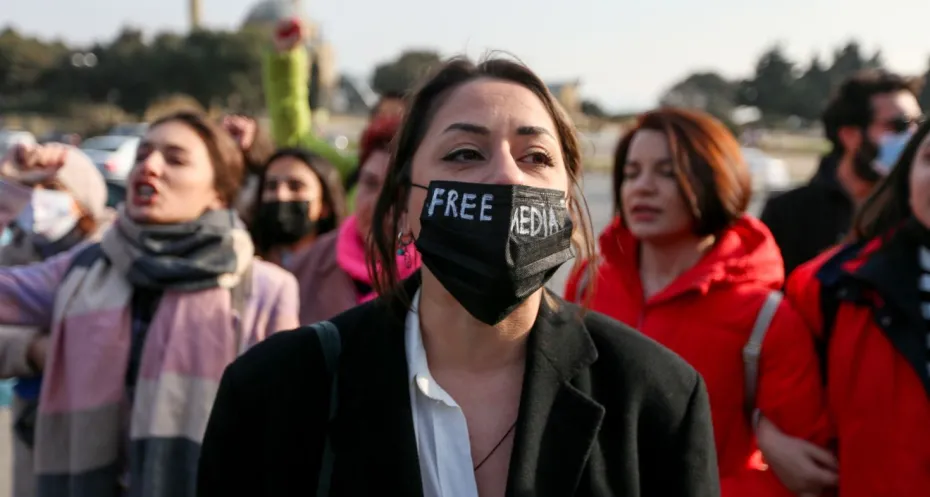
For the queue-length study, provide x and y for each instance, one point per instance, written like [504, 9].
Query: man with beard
[868, 122]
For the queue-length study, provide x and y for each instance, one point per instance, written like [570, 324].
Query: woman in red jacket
[684, 264]
[869, 303]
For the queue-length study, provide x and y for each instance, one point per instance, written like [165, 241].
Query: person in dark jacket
[868, 123]
[868, 302]
[469, 378]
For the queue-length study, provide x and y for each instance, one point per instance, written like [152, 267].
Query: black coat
[810, 219]
[604, 412]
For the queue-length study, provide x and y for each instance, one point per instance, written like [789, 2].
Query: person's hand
[37, 352]
[30, 165]
[288, 34]
[803, 467]
[243, 129]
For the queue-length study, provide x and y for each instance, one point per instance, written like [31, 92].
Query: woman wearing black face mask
[469, 378]
[301, 198]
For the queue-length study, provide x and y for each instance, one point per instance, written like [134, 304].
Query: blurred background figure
[300, 199]
[172, 289]
[333, 274]
[256, 147]
[53, 198]
[868, 123]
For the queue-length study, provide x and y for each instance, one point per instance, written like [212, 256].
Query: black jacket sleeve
[692, 453]
[230, 444]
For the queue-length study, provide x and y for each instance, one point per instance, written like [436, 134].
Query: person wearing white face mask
[52, 198]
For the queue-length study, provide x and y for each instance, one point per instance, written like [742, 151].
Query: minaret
[195, 14]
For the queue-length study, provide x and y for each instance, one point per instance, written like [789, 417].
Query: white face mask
[890, 148]
[50, 214]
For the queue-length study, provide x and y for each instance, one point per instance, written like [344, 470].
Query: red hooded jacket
[706, 316]
[878, 386]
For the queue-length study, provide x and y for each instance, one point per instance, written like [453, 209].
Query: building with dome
[325, 82]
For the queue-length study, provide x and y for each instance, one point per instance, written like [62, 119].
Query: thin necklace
[509, 431]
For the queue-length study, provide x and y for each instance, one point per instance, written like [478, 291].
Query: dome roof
[271, 11]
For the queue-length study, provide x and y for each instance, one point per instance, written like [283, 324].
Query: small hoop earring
[403, 241]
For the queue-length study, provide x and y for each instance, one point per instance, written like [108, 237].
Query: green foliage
[779, 87]
[213, 67]
[403, 74]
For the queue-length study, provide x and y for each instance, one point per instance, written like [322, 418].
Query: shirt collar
[417, 365]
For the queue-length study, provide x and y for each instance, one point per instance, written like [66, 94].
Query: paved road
[597, 188]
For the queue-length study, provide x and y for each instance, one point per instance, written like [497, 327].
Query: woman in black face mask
[469, 378]
[301, 198]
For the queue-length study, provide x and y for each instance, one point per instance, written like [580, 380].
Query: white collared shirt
[442, 433]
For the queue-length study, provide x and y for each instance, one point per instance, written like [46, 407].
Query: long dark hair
[888, 205]
[334, 197]
[422, 106]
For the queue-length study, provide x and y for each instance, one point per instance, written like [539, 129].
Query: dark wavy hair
[334, 197]
[422, 106]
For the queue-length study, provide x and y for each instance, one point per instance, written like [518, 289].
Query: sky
[625, 52]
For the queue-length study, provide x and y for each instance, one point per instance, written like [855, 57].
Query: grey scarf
[213, 250]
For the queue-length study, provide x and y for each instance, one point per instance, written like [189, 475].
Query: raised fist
[31, 165]
[288, 34]
[243, 129]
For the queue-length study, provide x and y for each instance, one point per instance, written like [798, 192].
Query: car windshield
[106, 143]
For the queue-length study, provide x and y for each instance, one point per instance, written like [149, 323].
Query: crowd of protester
[265, 315]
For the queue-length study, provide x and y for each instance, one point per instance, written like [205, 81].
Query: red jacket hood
[746, 253]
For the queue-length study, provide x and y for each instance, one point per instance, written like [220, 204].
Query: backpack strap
[753, 348]
[829, 308]
[832, 293]
[239, 296]
[331, 344]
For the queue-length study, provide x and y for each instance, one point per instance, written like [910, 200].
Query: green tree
[813, 90]
[23, 61]
[403, 73]
[772, 88]
[707, 91]
[924, 97]
[847, 61]
[592, 109]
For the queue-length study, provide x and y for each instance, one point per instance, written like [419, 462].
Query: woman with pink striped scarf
[144, 322]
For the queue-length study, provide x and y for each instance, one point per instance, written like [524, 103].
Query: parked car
[129, 129]
[113, 155]
[61, 137]
[10, 138]
[768, 173]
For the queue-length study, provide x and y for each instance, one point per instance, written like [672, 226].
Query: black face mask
[492, 246]
[284, 223]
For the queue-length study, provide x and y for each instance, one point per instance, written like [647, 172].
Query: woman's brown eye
[463, 155]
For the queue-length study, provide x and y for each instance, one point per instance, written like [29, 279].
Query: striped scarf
[85, 411]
